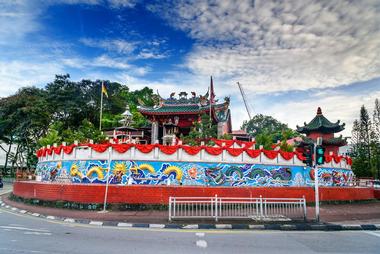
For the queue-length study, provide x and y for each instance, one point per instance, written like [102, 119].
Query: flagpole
[101, 106]
[210, 109]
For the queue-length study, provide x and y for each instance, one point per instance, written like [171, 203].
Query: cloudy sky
[290, 56]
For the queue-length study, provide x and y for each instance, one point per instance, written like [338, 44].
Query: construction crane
[245, 100]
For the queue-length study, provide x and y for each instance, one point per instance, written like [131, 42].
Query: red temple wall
[315, 135]
[147, 194]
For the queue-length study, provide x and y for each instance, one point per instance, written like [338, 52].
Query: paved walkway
[358, 213]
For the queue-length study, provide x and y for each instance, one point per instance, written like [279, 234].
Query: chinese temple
[320, 126]
[174, 116]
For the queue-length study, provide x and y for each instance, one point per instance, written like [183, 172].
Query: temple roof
[320, 124]
[195, 105]
[337, 141]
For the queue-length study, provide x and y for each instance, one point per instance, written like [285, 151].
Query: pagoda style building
[172, 117]
[320, 126]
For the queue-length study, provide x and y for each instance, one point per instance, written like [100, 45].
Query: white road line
[200, 234]
[201, 244]
[21, 250]
[372, 233]
[23, 228]
[36, 233]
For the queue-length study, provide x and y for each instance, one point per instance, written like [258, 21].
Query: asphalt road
[28, 234]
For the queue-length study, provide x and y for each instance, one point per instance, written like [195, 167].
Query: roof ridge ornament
[319, 111]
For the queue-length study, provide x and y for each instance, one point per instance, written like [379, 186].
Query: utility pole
[316, 181]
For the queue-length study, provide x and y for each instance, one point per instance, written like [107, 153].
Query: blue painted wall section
[188, 173]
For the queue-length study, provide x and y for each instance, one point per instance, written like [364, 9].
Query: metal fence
[236, 208]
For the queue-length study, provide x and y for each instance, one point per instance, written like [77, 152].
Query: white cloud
[110, 3]
[281, 45]
[17, 18]
[117, 45]
[122, 3]
[17, 74]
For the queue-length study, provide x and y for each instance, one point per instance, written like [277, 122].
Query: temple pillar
[220, 129]
[154, 132]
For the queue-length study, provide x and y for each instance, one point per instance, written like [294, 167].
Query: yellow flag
[104, 90]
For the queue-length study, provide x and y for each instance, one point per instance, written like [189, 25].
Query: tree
[202, 130]
[266, 124]
[365, 150]
[24, 118]
[376, 139]
[267, 130]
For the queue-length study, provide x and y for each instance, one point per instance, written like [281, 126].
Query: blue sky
[290, 56]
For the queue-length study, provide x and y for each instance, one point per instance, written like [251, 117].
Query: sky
[290, 56]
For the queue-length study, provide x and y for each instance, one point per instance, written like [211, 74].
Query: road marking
[191, 226]
[23, 228]
[22, 251]
[122, 224]
[96, 223]
[200, 234]
[223, 226]
[156, 225]
[201, 244]
[372, 233]
[36, 233]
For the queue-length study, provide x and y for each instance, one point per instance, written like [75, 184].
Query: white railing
[236, 208]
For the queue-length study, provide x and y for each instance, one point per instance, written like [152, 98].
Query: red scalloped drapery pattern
[253, 153]
[191, 150]
[223, 142]
[246, 144]
[270, 154]
[235, 151]
[287, 155]
[337, 158]
[228, 143]
[121, 148]
[57, 150]
[300, 156]
[213, 150]
[68, 149]
[168, 149]
[100, 148]
[145, 148]
[328, 158]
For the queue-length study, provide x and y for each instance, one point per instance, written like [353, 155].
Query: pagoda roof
[177, 109]
[320, 124]
[337, 141]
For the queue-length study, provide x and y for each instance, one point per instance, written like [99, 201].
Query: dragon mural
[188, 173]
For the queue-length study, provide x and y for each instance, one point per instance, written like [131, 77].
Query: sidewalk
[353, 214]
